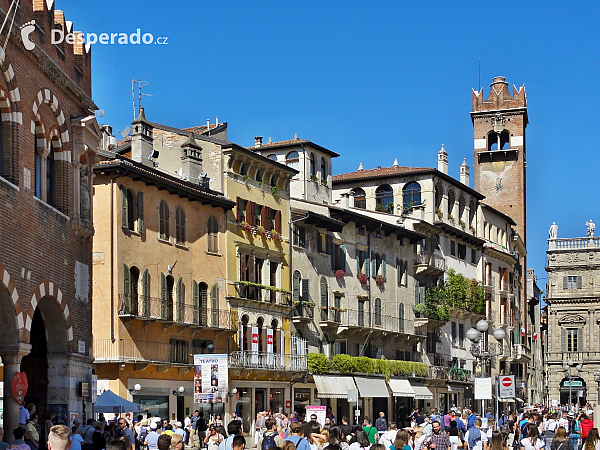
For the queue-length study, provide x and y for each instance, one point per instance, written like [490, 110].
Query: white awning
[372, 387]
[507, 400]
[401, 388]
[455, 388]
[422, 392]
[332, 386]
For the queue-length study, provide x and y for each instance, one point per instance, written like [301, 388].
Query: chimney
[217, 121]
[464, 173]
[207, 124]
[443, 160]
[395, 162]
[360, 167]
[191, 160]
[345, 200]
[142, 141]
[258, 142]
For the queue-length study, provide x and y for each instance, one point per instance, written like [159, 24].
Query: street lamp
[136, 388]
[179, 391]
[567, 368]
[479, 351]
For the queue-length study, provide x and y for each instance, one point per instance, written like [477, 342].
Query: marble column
[11, 358]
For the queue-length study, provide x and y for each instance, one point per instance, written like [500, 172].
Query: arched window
[128, 303]
[38, 148]
[472, 210]
[401, 326]
[293, 160]
[384, 199]
[50, 177]
[313, 167]
[274, 180]
[411, 194]
[323, 169]
[462, 203]
[377, 311]
[213, 234]
[360, 198]
[134, 274]
[324, 299]
[274, 325]
[451, 201]
[244, 169]
[272, 156]
[180, 225]
[245, 334]
[163, 215]
[439, 195]
[200, 304]
[260, 175]
[260, 323]
[377, 265]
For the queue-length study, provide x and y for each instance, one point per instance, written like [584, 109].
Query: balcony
[488, 282]
[303, 312]
[263, 294]
[491, 316]
[330, 316]
[579, 357]
[267, 361]
[351, 319]
[507, 320]
[130, 351]
[523, 353]
[429, 265]
[573, 243]
[152, 309]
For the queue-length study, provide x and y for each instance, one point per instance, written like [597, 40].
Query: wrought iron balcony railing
[267, 361]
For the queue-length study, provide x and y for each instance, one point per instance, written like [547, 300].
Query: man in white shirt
[564, 422]
[388, 437]
[475, 439]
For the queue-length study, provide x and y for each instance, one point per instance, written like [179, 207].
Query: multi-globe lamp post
[483, 354]
[567, 368]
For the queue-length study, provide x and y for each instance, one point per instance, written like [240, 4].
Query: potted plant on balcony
[379, 280]
[339, 274]
[274, 190]
[451, 218]
[462, 224]
[246, 178]
[472, 228]
[314, 178]
[362, 278]
[260, 230]
[276, 236]
[324, 182]
[439, 213]
[246, 227]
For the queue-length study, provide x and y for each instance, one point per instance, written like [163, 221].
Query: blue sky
[372, 81]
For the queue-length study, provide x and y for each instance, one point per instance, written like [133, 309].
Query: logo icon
[26, 30]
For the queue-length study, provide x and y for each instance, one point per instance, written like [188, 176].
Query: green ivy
[318, 364]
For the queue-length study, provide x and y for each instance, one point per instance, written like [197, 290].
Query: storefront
[403, 399]
[163, 398]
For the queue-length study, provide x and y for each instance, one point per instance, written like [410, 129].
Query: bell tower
[499, 124]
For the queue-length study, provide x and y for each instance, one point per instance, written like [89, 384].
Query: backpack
[268, 440]
[524, 429]
[506, 428]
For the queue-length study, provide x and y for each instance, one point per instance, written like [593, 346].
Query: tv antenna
[140, 83]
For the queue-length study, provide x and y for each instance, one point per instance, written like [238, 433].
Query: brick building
[48, 143]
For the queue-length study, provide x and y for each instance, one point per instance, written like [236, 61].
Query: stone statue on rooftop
[591, 226]
[553, 231]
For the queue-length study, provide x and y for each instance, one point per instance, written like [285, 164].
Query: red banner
[19, 387]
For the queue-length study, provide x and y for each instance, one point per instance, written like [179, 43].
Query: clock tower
[499, 123]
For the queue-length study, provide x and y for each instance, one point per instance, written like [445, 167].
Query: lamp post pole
[597, 380]
[567, 368]
[479, 351]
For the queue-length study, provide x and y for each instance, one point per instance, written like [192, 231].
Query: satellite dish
[100, 113]
[125, 132]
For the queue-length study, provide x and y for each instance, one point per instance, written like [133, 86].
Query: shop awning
[333, 387]
[371, 387]
[401, 388]
[455, 388]
[506, 400]
[422, 392]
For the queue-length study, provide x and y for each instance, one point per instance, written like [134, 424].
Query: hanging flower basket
[379, 280]
[260, 230]
[339, 274]
[362, 278]
[276, 236]
[439, 213]
[246, 227]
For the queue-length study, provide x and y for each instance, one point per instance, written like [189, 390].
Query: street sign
[353, 395]
[507, 386]
[483, 388]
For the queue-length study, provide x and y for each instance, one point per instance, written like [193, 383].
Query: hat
[145, 422]
[178, 424]
[153, 425]
[589, 412]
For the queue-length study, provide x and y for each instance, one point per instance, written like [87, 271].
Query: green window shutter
[126, 307]
[563, 339]
[383, 269]
[579, 282]
[333, 255]
[579, 338]
[564, 282]
[145, 293]
[343, 257]
[214, 297]
[367, 264]
[196, 302]
[124, 215]
[373, 264]
[140, 212]
[305, 294]
[163, 296]
[358, 268]
[319, 243]
[296, 286]
[180, 301]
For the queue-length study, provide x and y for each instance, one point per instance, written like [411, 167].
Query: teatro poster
[210, 378]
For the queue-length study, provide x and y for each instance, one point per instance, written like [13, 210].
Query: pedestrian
[151, 440]
[336, 437]
[98, 439]
[592, 442]
[213, 439]
[475, 439]
[76, 439]
[550, 426]
[86, 434]
[362, 441]
[387, 439]
[369, 429]
[419, 439]
[585, 426]
[234, 427]
[32, 437]
[561, 440]
[401, 441]
[438, 439]
[270, 438]
[124, 431]
[497, 442]
[297, 435]
[381, 424]
[454, 434]
[201, 427]
[239, 443]
[533, 441]
[58, 438]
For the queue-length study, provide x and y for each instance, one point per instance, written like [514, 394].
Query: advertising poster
[210, 378]
[320, 412]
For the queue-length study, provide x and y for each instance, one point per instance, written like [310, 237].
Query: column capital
[13, 353]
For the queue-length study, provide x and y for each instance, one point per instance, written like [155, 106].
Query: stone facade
[573, 297]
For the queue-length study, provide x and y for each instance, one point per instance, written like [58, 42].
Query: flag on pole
[522, 332]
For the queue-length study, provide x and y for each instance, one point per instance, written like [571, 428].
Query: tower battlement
[499, 97]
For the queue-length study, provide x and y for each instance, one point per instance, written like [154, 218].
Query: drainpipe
[370, 303]
[112, 257]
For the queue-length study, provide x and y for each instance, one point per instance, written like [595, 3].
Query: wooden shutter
[146, 293]
[319, 243]
[563, 339]
[140, 212]
[243, 267]
[383, 269]
[250, 212]
[196, 302]
[180, 300]
[329, 244]
[343, 257]
[373, 264]
[333, 256]
[124, 214]
[264, 218]
[278, 222]
[367, 264]
[579, 282]
[251, 269]
[564, 282]
[579, 338]
[238, 213]
[305, 293]
[126, 290]
[296, 286]
[399, 267]
[324, 299]
[163, 296]
[301, 232]
[405, 274]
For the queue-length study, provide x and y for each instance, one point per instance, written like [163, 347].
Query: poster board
[210, 378]
[319, 411]
[483, 388]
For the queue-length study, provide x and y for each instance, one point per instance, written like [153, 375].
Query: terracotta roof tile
[293, 142]
[379, 172]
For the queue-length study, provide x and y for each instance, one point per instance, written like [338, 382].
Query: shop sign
[19, 387]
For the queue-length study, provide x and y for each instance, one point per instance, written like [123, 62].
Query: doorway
[35, 365]
[259, 400]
